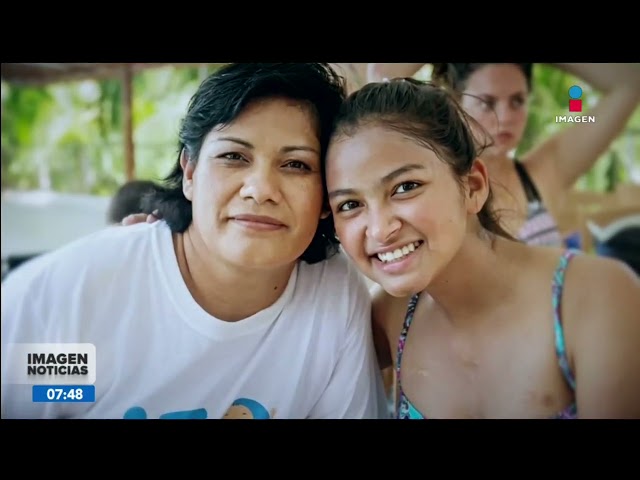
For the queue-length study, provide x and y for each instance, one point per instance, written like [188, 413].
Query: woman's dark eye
[406, 186]
[232, 156]
[298, 165]
[346, 206]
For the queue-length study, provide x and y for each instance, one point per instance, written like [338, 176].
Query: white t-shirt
[160, 355]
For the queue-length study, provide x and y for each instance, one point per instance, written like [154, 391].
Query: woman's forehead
[272, 121]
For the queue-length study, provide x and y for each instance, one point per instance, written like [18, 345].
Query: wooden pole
[127, 112]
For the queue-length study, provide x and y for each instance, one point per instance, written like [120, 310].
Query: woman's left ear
[477, 186]
[187, 176]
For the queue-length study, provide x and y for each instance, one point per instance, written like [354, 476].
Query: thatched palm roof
[46, 73]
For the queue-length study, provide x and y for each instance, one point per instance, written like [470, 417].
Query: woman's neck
[223, 290]
[480, 277]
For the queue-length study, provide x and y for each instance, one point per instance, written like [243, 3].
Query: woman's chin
[401, 289]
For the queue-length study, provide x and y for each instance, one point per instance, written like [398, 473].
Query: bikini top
[407, 411]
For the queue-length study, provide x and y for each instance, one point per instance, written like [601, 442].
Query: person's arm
[607, 345]
[356, 389]
[558, 162]
[377, 72]
[136, 218]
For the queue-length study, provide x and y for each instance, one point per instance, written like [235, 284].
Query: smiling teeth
[398, 252]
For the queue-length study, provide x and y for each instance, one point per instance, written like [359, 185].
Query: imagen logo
[575, 106]
[575, 99]
[50, 364]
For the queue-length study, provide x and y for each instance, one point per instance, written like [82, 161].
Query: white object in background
[602, 234]
[35, 222]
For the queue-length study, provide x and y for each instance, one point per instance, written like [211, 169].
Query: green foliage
[549, 98]
[69, 137]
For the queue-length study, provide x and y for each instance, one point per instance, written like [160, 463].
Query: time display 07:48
[64, 393]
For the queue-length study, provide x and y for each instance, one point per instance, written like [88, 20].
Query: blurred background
[72, 134]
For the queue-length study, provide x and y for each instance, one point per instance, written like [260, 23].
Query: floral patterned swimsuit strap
[406, 411]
